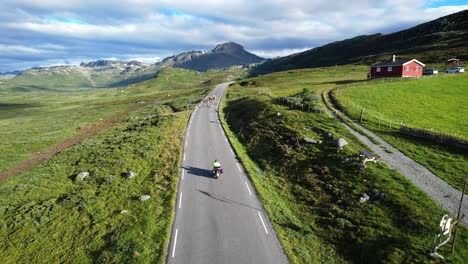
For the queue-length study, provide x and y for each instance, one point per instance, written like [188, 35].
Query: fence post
[458, 214]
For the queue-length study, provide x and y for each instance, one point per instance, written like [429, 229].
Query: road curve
[218, 220]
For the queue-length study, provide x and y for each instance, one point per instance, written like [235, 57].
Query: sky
[57, 32]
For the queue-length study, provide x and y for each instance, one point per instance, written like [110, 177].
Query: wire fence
[378, 119]
[396, 80]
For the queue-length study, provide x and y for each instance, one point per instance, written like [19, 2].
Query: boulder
[364, 198]
[341, 142]
[131, 174]
[123, 211]
[144, 197]
[82, 175]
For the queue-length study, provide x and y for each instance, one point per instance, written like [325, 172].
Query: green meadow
[33, 120]
[47, 216]
[311, 197]
[433, 103]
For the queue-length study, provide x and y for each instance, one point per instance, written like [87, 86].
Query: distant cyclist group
[208, 100]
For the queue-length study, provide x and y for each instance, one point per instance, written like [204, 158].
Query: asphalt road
[218, 220]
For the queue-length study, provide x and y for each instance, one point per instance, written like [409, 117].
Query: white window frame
[389, 69]
[407, 68]
[378, 69]
[417, 68]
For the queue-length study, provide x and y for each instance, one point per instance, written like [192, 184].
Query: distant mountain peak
[228, 47]
[99, 63]
[222, 56]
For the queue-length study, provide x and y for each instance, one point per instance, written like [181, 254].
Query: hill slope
[431, 42]
[94, 74]
[222, 56]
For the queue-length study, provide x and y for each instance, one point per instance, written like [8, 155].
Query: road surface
[218, 220]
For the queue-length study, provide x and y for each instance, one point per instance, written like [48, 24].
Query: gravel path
[442, 193]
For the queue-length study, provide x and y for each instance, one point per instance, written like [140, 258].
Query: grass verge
[312, 198]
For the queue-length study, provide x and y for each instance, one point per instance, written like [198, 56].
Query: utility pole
[458, 214]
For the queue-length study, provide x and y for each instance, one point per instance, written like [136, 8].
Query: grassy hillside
[434, 103]
[74, 77]
[46, 216]
[311, 197]
[431, 42]
[32, 121]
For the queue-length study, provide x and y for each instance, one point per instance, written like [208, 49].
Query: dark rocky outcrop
[222, 56]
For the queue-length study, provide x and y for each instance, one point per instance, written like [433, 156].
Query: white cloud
[148, 59]
[165, 27]
[11, 49]
[278, 53]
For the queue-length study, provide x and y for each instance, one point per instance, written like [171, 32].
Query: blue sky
[439, 3]
[56, 32]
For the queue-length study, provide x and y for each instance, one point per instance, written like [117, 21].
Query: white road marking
[184, 156]
[175, 243]
[183, 172]
[238, 167]
[264, 226]
[247, 189]
[180, 200]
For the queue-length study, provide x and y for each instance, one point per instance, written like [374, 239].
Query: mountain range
[9, 75]
[431, 42]
[115, 73]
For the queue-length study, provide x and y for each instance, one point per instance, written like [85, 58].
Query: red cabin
[400, 68]
[453, 62]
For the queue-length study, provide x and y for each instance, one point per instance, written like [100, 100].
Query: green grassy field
[311, 198]
[46, 216]
[294, 81]
[434, 103]
[33, 120]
